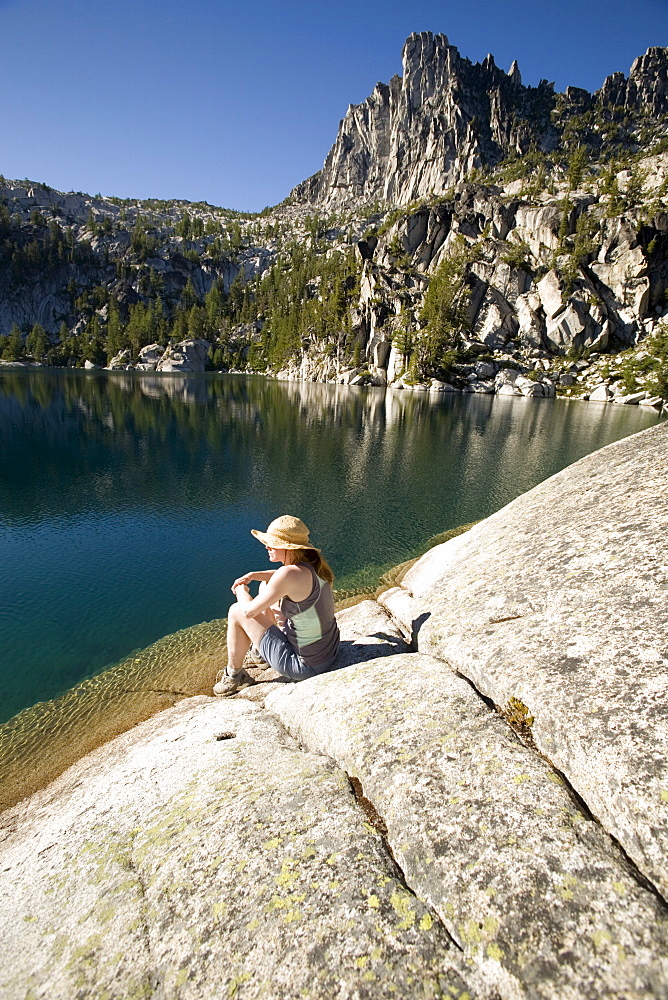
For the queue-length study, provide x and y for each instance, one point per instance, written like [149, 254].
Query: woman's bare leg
[243, 632]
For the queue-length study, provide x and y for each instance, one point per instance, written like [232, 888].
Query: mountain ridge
[458, 116]
[461, 220]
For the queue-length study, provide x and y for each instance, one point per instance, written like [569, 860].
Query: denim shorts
[275, 648]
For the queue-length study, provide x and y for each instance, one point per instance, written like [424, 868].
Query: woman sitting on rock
[291, 621]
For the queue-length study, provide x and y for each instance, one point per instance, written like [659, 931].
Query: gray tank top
[311, 626]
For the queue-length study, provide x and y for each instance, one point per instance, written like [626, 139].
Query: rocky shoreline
[574, 380]
[476, 806]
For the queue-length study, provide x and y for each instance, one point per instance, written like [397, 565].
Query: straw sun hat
[285, 532]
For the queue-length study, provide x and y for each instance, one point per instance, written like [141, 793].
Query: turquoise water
[126, 502]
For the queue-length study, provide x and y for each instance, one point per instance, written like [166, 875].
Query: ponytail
[316, 560]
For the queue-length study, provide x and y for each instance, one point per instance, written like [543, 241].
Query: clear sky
[236, 102]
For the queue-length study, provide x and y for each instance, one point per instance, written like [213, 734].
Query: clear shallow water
[126, 502]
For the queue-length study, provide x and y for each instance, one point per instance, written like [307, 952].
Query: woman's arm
[261, 574]
[276, 588]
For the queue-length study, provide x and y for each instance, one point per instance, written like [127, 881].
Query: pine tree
[188, 296]
[197, 323]
[116, 340]
[13, 350]
[37, 342]
[214, 305]
[444, 312]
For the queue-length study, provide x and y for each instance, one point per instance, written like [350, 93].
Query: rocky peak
[514, 74]
[427, 65]
[427, 129]
[645, 89]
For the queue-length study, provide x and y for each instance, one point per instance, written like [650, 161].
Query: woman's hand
[242, 594]
[242, 581]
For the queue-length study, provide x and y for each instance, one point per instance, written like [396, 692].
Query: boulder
[656, 402]
[528, 387]
[120, 361]
[486, 369]
[495, 323]
[601, 394]
[504, 383]
[551, 293]
[479, 385]
[632, 399]
[531, 325]
[575, 326]
[507, 376]
[186, 356]
[624, 272]
[509, 281]
[378, 376]
[150, 356]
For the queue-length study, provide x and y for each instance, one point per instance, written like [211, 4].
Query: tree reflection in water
[126, 499]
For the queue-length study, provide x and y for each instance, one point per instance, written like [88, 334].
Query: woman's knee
[236, 614]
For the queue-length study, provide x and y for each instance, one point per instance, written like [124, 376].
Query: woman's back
[311, 624]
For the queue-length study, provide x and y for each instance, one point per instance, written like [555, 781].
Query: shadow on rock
[360, 625]
[416, 625]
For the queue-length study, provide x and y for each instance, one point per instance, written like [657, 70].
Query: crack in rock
[523, 734]
[379, 824]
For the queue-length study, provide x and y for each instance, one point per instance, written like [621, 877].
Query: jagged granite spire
[646, 87]
[425, 131]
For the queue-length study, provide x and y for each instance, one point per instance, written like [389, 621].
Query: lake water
[126, 501]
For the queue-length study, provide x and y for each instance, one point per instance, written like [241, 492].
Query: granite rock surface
[205, 854]
[531, 888]
[560, 600]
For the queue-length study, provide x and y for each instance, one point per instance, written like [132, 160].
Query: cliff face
[646, 86]
[56, 248]
[426, 130]
[525, 280]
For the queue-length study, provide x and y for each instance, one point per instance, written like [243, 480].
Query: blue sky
[236, 102]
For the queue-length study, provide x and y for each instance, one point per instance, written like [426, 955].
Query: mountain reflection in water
[126, 500]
